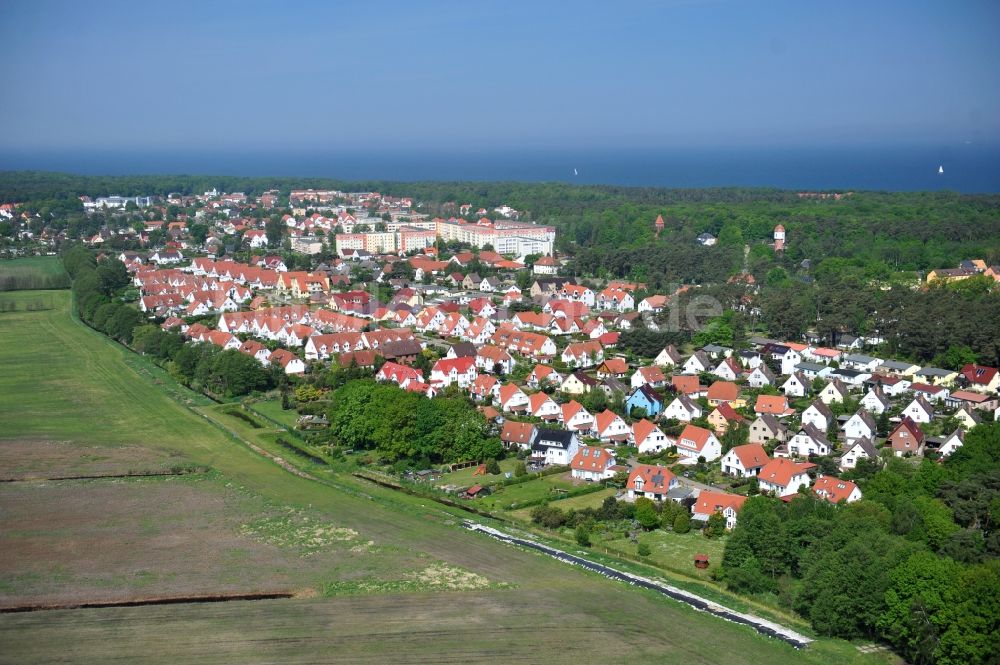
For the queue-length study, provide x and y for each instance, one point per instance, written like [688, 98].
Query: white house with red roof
[929, 392]
[259, 352]
[518, 435]
[542, 406]
[482, 307]
[649, 438]
[982, 378]
[512, 399]
[256, 237]
[708, 503]
[398, 374]
[616, 299]
[460, 371]
[485, 387]
[430, 319]
[745, 461]
[577, 293]
[836, 490]
[695, 442]
[592, 463]
[583, 354]
[653, 304]
[489, 358]
[547, 265]
[783, 476]
[649, 376]
[823, 355]
[288, 361]
[480, 331]
[609, 426]
[542, 375]
[454, 325]
[650, 481]
[577, 418]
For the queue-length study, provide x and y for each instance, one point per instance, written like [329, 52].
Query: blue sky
[496, 74]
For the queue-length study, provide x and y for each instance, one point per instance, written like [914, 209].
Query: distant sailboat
[940, 169]
[575, 172]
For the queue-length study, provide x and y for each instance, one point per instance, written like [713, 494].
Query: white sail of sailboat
[575, 172]
[941, 169]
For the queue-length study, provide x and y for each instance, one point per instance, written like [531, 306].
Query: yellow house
[936, 376]
[721, 417]
[950, 274]
[577, 383]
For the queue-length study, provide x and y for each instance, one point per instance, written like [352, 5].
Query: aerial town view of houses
[393, 332]
[695, 407]
[480, 308]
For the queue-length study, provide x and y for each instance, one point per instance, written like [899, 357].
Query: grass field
[33, 272]
[419, 589]
[668, 550]
[272, 409]
[593, 500]
[512, 495]
[464, 477]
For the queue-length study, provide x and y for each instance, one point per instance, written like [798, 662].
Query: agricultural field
[40, 459]
[185, 536]
[33, 272]
[376, 575]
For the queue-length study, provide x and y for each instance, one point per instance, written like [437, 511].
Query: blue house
[646, 398]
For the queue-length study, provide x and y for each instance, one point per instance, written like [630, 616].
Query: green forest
[914, 563]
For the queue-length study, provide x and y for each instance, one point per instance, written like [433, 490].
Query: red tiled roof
[709, 502]
[833, 489]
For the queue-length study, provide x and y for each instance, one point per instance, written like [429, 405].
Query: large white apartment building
[506, 237]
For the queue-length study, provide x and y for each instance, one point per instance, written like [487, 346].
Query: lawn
[504, 498]
[272, 409]
[668, 550]
[593, 500]
[464, 477]
[412, 589]
[33, 272]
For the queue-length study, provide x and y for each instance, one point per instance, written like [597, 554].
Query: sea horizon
[967, 167]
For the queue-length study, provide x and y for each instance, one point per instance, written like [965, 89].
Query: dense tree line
[401, 425]
[913, 563]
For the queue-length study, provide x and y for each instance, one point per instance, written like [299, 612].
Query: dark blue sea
[968, 167]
